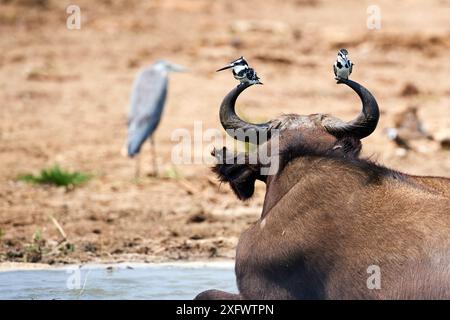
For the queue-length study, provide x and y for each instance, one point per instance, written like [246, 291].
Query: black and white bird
[343, 66]
[242, 72]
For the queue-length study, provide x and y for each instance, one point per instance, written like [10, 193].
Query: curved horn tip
[365, 123]
[343, 80]
[230, 120]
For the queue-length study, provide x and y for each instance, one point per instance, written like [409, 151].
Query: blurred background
[65, 98]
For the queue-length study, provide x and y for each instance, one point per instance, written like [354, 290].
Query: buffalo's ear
[347, 146]
[241, 176]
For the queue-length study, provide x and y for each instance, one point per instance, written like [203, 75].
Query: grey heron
[147, 102]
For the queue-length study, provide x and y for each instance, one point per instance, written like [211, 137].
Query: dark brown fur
[328, 215]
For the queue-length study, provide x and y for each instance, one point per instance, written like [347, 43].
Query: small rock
[445, 143]
[212, 252]
[409, 90]
[90, 247]
[117, 251]
[197, 218]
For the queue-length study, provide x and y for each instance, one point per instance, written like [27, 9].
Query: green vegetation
[56, 176]
[33, 252]
[173, 173]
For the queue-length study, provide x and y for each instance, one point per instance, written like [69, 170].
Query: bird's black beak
[226, 67]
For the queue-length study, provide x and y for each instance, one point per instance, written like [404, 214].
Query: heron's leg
[155, 160]
[137, 169]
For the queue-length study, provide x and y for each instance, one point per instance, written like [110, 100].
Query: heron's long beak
[226, 67]
[177, 68]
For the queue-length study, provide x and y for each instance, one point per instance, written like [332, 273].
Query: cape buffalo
[334, 225]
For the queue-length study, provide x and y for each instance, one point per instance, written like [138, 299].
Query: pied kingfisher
[242, 72]
[343, 65]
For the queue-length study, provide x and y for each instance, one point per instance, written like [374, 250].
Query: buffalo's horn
[365, 123]
[235, 126]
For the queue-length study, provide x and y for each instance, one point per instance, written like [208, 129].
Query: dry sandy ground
[64, 99]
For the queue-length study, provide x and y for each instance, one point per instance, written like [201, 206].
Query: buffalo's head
[295, 135]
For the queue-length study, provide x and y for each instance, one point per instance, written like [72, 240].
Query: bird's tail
[133, 150]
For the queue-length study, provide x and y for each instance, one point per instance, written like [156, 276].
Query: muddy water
[124, 281]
